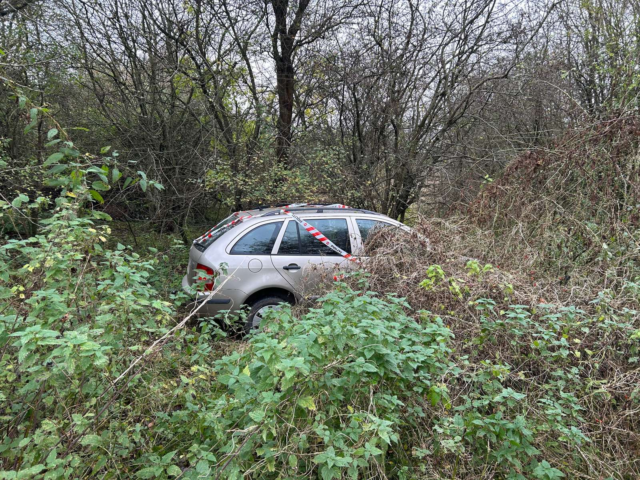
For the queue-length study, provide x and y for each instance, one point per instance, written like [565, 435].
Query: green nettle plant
[333, 393]
[528, 389]
[73, 315]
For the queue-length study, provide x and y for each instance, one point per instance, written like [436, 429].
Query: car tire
[257, 307]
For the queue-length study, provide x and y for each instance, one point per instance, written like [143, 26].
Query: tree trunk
[285, 83]
[283, 44]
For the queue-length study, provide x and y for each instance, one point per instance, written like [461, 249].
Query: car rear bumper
[230, 300]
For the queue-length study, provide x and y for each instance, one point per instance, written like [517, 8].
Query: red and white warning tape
[320, 237]
[209, 233]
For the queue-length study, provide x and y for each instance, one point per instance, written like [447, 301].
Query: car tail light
[210, 279]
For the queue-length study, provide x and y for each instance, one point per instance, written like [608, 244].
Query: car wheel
[258, 310]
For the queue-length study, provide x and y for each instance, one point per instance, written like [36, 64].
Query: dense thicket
[376, 104]
[505, 347]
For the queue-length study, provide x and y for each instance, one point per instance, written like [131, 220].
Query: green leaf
[168, 456]
[149, 472]
[22, 101]
[57, 169]
[544, 470]
[327, 472]
[100, 172]
[31, 471]
[115, 175]
[307, 402]
[52, 133]
[127, 182]
[96, 196]
[99, 185]
[53, 158]
[93, 440]
[257, 415]
[143, 185]
[202, 466]
[367, 367]
[104, 150]
[19, 200]
[52, 456]
[174, 471]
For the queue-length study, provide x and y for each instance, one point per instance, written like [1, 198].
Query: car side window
[367, 226]
[335, 229]
[258, 241]
[297, 241]
[290, 244]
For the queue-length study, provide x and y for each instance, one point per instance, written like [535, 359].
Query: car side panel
[246, 273]
[313, 269]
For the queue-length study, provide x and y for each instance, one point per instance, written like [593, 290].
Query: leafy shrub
[74, 314]
[538, 389]
[332, 392]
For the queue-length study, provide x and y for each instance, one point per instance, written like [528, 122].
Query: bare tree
[288, 36]
[11, 6]
[409, 74]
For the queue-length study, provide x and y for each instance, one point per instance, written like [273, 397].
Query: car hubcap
[259, 315]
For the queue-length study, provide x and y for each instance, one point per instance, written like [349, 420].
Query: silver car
[263, 257]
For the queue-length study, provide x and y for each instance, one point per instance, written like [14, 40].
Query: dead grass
[600, 345]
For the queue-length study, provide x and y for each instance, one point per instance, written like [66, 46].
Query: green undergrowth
[478, 373]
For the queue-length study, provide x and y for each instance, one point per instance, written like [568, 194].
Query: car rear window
[367, 226]
[223, 228]
[297, 241]
[258, 241]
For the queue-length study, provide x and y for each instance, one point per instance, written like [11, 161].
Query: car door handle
[292, 266]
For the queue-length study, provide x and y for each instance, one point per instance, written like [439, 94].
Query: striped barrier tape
[320, 237]
[209, 233]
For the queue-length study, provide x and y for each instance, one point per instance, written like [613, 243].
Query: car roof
[272, 211]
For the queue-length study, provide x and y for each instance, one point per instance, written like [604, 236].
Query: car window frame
[310, 221]
[355, 220]
[358, 236]
[242, 234]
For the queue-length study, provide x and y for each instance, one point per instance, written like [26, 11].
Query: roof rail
[292, 204]
[316, 209]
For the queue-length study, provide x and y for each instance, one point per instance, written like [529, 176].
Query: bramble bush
[73, 313]
[544, 381]
[488, 380]
[334, 392]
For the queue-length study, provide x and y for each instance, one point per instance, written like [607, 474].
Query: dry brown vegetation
[555, 309]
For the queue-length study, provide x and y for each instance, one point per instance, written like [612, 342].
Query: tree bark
[283, 45]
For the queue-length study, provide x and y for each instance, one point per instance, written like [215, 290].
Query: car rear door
[364, 226]
[304, 261]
